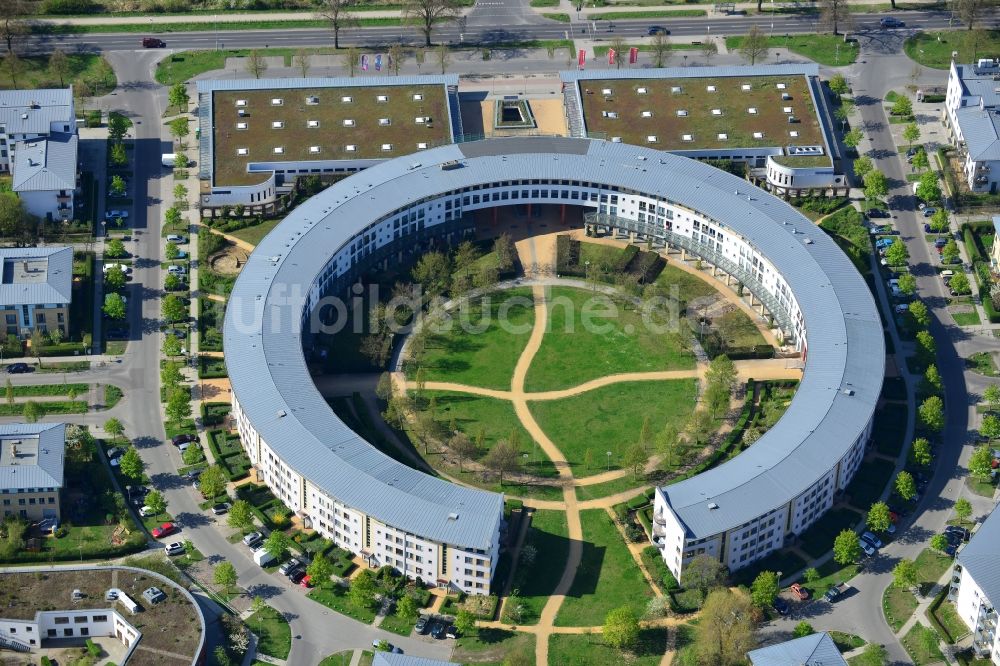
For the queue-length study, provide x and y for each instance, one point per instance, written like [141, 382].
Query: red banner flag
[612, 54]
[633, 55]
[581, 58]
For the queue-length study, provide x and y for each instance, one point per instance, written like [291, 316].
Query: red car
[163, 530]
[153, 43]
[305, 582]
[800, 592]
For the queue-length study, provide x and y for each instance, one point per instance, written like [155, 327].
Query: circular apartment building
[440, 532]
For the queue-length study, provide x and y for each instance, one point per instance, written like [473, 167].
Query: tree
[618, 46]
[833, 14]
[709, 49]
[963, 509]
[754, 45]
[178, 97]
[465, 622]
[853, 137]
[192, 454]
[897, 254]
[502, 459]
[939, 222]
[276, 543]
[920, 160]
[426, 13]
[12, 25]
[114, 306]
[949, 254]
[114, 428]
[119, 156]
[902, 107]
[726, 628]
[179, 128]
[969, 11]
[659, 47]
[9, 388]
[939, 542]
[362, 590]
[803, 629]
[702, 573]
[863, 166]
[170, 375]
[172, 251]
[351, 56]
[928, 188]
[256, 63]
[301, 61]
[911, 133]
[225, 575]
[908, 284]
[14, 66]
[240, 516]
[397, 55]
[905, 486]
[59, 66]
[635, 459]
[846, 547]
[407, 609]
[981, 462]
[503, 248]
[337, 13]
[991, 394]
[32, 411]
[919, 312]
[876, 185]
[115, 248]
[621, 628]
[874, 654]
[156, 502]
[920, 452]
[131, 464]
[117, 127]
[178, 406]
[960, 284]
[14, 219]
[172, 216]
[926, 347]
[838, 85]
[931, 413]
[174, 309]
[844, 111]
[443, 56]
[878, 519]
[666, 444]
[432, 271]
[904, 574]
[463, 448]
[990, 426]
[114, 278]
[212, 482]
[764, 589]
[811, 575]
[320, 569]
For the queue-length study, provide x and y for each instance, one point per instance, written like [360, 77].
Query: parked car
[184, 447]
[146, 512]
[422, 625]
[177, 440]
[960, 531]
[877, 213]
[153, 43]
[868, 549]
[288, 566]
[112, 214]
[115, 452]
[220, 508]
[437, 630]
[306, 582]
[296, 576]
[901, 308]
[389, 646]
[178, 333]
[781, 606]
[18, 368]
[940, 242]
[953, 538]
[176, 269]
[800, 592]
[253, 539]
[174, 548]
[872, 539]
[153, 595]
[836, 592]
[451, 631]
[929, 212]
[166, 529]
[175, 238]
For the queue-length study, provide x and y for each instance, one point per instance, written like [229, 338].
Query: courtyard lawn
[487, 337]
[590, 649]
[921, 644]
[607, 577]
[335, 597]
[548, 534]
[933, 49]
[617, 341]
[689, 287]
[949, 619]
[897, 606]
[612, 416]
[272, 629]
[491, 646]
[829, 50]
[931, 565]
[255, 234]
[818, 538]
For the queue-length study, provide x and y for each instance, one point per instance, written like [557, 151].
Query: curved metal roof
[272, 383]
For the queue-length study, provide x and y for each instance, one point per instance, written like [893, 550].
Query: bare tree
[351, 60]
[969, 10]
[973, 40]
[301, 60]
[660, 48]
[419, 55]
[256, 64]
[443, 56]
[834, 14]
[425, 13]
[754, 45]
[396, 57]
[59, 66]
[709, 49]
[13, 66]
[618, 45]
[338, 15]
[12, 23]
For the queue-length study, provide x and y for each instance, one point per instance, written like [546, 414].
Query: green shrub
[67, 7]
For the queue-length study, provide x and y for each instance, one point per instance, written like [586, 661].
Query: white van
[262, 557]
[176, 270]
[947, 275]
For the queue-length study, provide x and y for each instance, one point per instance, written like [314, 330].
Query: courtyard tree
[156, 502]
[834, 14]
[240, 516]
[963, 508]
[339, 15]
[320, 570]
[902, 106]
[117, 127]
[981, 462]
[114, 306]
[502, 459]
[621, 628]
[256, 63]
[939, 542]
[117, 186]
[765, 589]
[212, 482]
[863, 166]
[659, 48]
[433, 272]
[803, 629]
[426, 13]
[920, 452]
[931, 412]
[960, 284]
[224, 575]
[362, 590]
[726, 628]
[114, 278]
[276, 543]
[876, 185]
[15, 222]
[928, 188]
[897, 254]
[131, 464]
[754, 45]
[503, 248]
[114, 428]
[878, 519]
[119, 156]
[904, 574]
[465, 622]
[703, 573]
[846, 547]
[918, 310]
[905, 486]
[407, 609]
[178, 97]
[911, 133]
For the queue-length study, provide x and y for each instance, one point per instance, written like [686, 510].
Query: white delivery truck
[169, 160]
[262, 557]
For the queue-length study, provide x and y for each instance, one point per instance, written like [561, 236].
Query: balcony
[659, 519]
[63, 196]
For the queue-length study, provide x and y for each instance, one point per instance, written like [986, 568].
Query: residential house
[31, 469]
[36, 288]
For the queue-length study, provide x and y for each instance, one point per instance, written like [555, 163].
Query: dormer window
[314, 149]
[386, 147]
[312, 100]
[752, 110]
[758, 135]
[641, 90]
[422, 145]
[710, 88]
[687, 137]
[646, 114]
[417, 97]
[746, 87]
[651, 138]
[716, 112]
[723, 136]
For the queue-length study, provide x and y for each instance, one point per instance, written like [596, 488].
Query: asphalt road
[500, 24]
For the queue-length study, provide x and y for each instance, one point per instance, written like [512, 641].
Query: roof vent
[848, 391]
[713, 506]
[452, 516]
[282, 413]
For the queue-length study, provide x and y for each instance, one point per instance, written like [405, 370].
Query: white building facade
[975, 587]
[972, 116]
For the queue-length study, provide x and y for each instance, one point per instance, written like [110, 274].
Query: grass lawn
[689, 286]
[596, 490]
[491, 646]
[931, 565]
[898, 605]
[335, 597]
[845, 226]
[398, 625]
[966, 318]
[272, 629]
[983, 487]
[846, 642]
[494, 418]
[869, 482]
[612, 416]
[255, 234]
[607, 577]
[618, 341]
[583, 649]
[487, 337]
[646, 14]
[921, 644]
[82, 67]
[818, 539]
[983, 363]
[548, 534]
[933, 49]
[948, 617]
[827, 50]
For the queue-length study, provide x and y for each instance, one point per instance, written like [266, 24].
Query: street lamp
[609, 460]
